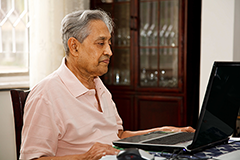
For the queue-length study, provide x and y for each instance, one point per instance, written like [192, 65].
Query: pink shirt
[61, 117]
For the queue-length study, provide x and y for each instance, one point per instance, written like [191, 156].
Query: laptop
[216, 123]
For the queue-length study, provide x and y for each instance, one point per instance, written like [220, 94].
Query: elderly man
[70, 114]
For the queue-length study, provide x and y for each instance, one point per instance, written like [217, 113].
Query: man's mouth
[106, 61]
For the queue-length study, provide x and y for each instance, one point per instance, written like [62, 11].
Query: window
[14, 40]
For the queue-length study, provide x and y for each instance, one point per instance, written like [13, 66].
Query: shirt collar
[73, 84]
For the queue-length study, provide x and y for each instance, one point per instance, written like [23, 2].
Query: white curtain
[46, 49]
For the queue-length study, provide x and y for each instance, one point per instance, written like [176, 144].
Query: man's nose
[108, 50]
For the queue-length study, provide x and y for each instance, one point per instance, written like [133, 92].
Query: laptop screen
[220, 106]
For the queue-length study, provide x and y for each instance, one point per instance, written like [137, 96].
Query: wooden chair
[18, 101]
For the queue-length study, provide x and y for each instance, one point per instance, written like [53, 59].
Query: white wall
[7, 134]
[220, 36]
[236, 43]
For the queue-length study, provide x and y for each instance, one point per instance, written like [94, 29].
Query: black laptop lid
[220, 106]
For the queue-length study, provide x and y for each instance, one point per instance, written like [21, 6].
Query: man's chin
[103, 72]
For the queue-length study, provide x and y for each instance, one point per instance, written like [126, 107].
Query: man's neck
[86, 79]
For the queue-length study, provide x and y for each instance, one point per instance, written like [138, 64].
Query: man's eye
[101, 44]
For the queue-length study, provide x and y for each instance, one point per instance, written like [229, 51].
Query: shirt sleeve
[41, 129]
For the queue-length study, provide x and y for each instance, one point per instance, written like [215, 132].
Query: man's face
[95, 51]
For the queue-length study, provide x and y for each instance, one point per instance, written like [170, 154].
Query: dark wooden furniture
[154, 71]
[18, 101]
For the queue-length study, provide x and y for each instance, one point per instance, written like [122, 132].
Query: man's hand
[98, 150]
[124, 134]
[175, 129]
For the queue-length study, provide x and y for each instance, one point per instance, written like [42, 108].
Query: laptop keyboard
[173, 139]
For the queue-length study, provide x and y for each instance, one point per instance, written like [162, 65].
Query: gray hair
[76, 24]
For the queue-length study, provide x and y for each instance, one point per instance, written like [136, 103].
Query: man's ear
[73, 45]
